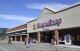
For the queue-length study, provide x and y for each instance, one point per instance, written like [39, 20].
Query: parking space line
[3, 48]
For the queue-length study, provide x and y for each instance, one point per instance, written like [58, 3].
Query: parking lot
[20, 46]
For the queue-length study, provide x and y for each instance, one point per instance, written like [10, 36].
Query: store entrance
[46, 36]
[76, 39]
[33, 37]
[18, 38]
[23, 37]
[69, 36]
[13, 38]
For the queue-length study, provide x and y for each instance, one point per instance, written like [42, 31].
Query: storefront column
[15, 38]
[20, 38]
[11, 38]
[38, 37]
[27, 36]
[56, 36]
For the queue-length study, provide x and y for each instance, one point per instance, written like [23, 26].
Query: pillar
[38, 37]
[27, 36]
[15, 38]
[20, 38]
[56, 36]
[11, 38]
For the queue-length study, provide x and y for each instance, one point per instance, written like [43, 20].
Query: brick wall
[17, 28]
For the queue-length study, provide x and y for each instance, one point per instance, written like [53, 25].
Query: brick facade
[17, 28]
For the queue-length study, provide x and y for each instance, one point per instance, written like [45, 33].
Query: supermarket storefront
[63, 25]
[18, 33]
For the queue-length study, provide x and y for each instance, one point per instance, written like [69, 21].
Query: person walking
[9, 40]
[46, 38]
[52, 40]
[25, 41]
[28, 43]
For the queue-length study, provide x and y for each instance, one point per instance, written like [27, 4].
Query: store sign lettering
[50, 22]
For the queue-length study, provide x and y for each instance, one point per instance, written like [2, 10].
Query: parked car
[34, 40]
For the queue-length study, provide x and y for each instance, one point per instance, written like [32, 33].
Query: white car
[34, 40]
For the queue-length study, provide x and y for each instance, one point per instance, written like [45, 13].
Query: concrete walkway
[20, 46]
[67, 46]
[49, 45]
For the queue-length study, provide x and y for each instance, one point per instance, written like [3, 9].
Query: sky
[17, 12]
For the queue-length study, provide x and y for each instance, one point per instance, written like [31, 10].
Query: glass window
[67, 38]
[62, 38]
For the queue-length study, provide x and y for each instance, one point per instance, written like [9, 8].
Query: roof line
[17, 26]
[50, 9]
[66, 8]
[31, 20]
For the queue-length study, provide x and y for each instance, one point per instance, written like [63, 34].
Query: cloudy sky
[17, 12]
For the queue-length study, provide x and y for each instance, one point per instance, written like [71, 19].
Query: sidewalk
[67, 46]
[47, 45]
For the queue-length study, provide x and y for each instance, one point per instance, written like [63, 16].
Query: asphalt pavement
[20, 46]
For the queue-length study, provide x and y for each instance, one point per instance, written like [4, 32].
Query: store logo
[34, 27]
[50, 22]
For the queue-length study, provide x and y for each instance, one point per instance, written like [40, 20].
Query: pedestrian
[25, 41]
[52, 40]
[9, 40]
[46, 38]
[28, 43]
